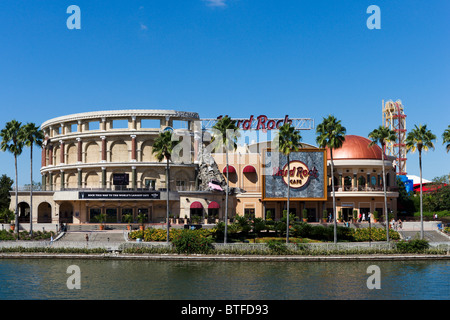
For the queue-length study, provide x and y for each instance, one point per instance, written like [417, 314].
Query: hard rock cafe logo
[299, 174]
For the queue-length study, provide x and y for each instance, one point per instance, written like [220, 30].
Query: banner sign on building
[307, 175]
[104, 195]
[121, 179]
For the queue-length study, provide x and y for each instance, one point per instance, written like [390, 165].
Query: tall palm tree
[162, 148]
[225, 133]
[11, 142]
[446, 138]
[288, 140]
[331, 135]
[381, 136]
[420, 139]
[31, 135]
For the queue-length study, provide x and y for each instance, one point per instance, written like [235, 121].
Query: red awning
[249, 169]
[231, 169]
[196, 205]
[213, 205]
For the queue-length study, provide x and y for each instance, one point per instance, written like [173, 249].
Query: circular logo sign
[298, 174]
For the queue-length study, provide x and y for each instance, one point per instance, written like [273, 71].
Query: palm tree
[225, 133]
[163, 148]
[420, 139]
[11, 142]
[331, 135]
[288, 140]
[381, 136]
[446, 138]
[31, 135]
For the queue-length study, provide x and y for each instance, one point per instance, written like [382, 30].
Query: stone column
[50, 181]
[50, 155]
[133, 148]
[80, 150]
[62, 152]
[80, 178]
[133, 177]
[62, 180]
[44, 157]
[103, 148]
[103, 177]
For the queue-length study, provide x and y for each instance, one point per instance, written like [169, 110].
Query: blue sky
[236, 57]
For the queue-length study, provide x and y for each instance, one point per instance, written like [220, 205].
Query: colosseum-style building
[102, 162]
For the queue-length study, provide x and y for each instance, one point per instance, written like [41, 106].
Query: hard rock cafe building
[102, 162]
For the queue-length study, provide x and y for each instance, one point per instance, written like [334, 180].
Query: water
[36, 279]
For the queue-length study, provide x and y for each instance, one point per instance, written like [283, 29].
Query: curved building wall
[85, 150]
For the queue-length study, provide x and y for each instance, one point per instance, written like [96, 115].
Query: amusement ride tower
[394, 118]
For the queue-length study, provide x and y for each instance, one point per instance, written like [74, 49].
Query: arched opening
[126, 212]
[147, 155]
[72, 154]
[93, 213]
[196, 212]
[213, 212]
[361, 183]
[66, 212]
[250, 178]
[44, 213]
[232, 176]
[24, 212]
[347, 183]
[111, 215]
[92, 153]
[119, 152]
[92, 180]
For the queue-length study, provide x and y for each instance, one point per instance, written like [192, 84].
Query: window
[93, 125]
[373, 181]
[73, 127]
[119, 124]
[150, 123]
[180, 124]
[180, 185]
[250, 212]
[93, 213]
[150, 184]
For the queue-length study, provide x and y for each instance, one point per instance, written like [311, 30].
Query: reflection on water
[157, 280]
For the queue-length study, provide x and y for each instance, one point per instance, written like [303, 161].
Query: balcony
[362, 189]
[158, 187]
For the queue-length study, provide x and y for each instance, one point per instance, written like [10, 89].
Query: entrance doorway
[66, 213]
[44, 213]
[347, 213]
[111, 215]
[24, 212]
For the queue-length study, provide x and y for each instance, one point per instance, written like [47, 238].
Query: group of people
[362, 217]
[396, 225]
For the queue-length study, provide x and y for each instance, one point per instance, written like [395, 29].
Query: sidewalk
[94, 236]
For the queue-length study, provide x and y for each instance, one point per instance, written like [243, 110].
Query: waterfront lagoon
[36, 279]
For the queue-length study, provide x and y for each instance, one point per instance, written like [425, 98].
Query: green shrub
[413, 246]
[277, 247]
[8, 235]
[374, 234]
[192, 241]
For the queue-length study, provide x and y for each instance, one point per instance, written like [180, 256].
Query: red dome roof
[356, 147]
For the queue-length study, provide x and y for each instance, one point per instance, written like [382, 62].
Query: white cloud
[216, 3]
